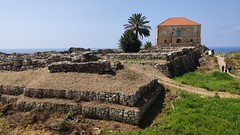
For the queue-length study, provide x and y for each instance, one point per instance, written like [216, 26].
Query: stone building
[177, 32]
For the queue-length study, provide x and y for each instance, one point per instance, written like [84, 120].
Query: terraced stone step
[7, 99]
[138, 98]
[95, 110]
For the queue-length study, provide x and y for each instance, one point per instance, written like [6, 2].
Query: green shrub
[236, 56]
[64, 126]
[128, 42]
[147, 45]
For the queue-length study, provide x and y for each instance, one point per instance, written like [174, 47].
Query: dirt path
[151, 72]
[221, 63]
[171, 83]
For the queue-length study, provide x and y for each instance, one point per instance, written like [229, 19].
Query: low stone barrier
[109, 97]
[11, 90]
[182, 63]
[130, 115]
[124, 56]
[128, 108]
[83, 67]
[7, 100]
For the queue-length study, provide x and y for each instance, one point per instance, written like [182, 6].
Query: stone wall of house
[178, 35]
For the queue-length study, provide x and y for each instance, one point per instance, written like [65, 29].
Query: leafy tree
[147, 45]
[129, 43]
[138, 24]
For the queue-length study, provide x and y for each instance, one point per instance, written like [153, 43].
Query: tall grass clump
[213, 81]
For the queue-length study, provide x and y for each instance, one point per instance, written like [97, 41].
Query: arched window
[178, 40]
[165, 41]
[191, 40]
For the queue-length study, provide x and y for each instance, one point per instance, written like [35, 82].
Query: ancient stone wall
[164, 53]
[124, 56]
[19, 62]
[182, 62]
[83, 67]
[109, 97]
[121, 107]
[96, 112]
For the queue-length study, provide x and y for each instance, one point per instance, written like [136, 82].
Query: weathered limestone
[83, 67]
[11, 90]
[137, 56]
[118, 106]
[182, 62]
[116, 98]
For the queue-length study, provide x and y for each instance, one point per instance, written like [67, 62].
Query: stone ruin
[80, 60]
[118, 106]
[174, 61]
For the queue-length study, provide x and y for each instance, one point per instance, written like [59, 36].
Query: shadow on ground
[152, 112]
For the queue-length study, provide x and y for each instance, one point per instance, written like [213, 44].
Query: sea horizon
[33, 50]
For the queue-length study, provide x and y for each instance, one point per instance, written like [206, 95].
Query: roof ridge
[174, 21]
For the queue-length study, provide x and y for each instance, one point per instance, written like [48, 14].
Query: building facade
[178, 32]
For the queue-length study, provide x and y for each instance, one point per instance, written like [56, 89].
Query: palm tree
[137, 24]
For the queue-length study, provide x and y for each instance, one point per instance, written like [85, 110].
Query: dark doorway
[191, 40]
[178, 40]
[165, 41]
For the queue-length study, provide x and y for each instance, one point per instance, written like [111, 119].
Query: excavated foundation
[122, 107]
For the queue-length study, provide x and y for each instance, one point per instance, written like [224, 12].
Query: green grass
[236, 56]
[193, 114]
[213, 81]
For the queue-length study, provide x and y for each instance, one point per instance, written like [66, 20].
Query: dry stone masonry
[117, 106]
[182, 62]
[83, 67]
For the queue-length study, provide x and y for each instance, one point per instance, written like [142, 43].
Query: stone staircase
[122, 107]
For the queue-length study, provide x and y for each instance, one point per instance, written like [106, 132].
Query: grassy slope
[193, 114]
[234, 62]
[213, 81]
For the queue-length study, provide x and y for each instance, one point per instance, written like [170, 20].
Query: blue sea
[9, 51]
[225, 49]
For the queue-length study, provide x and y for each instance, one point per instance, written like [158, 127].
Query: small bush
[147, 45]
[64, 126]
[129, 43]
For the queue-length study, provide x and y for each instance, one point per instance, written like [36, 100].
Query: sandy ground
[126, 80]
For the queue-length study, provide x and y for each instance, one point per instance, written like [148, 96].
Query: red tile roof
[178, 21]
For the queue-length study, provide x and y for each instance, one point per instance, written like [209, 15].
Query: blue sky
[99, 23]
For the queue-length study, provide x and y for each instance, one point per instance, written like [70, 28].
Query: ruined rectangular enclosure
[119, 103]
[117, 106]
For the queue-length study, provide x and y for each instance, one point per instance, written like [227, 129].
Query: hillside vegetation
[213, 81]
[194, 114]
[233, 60]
